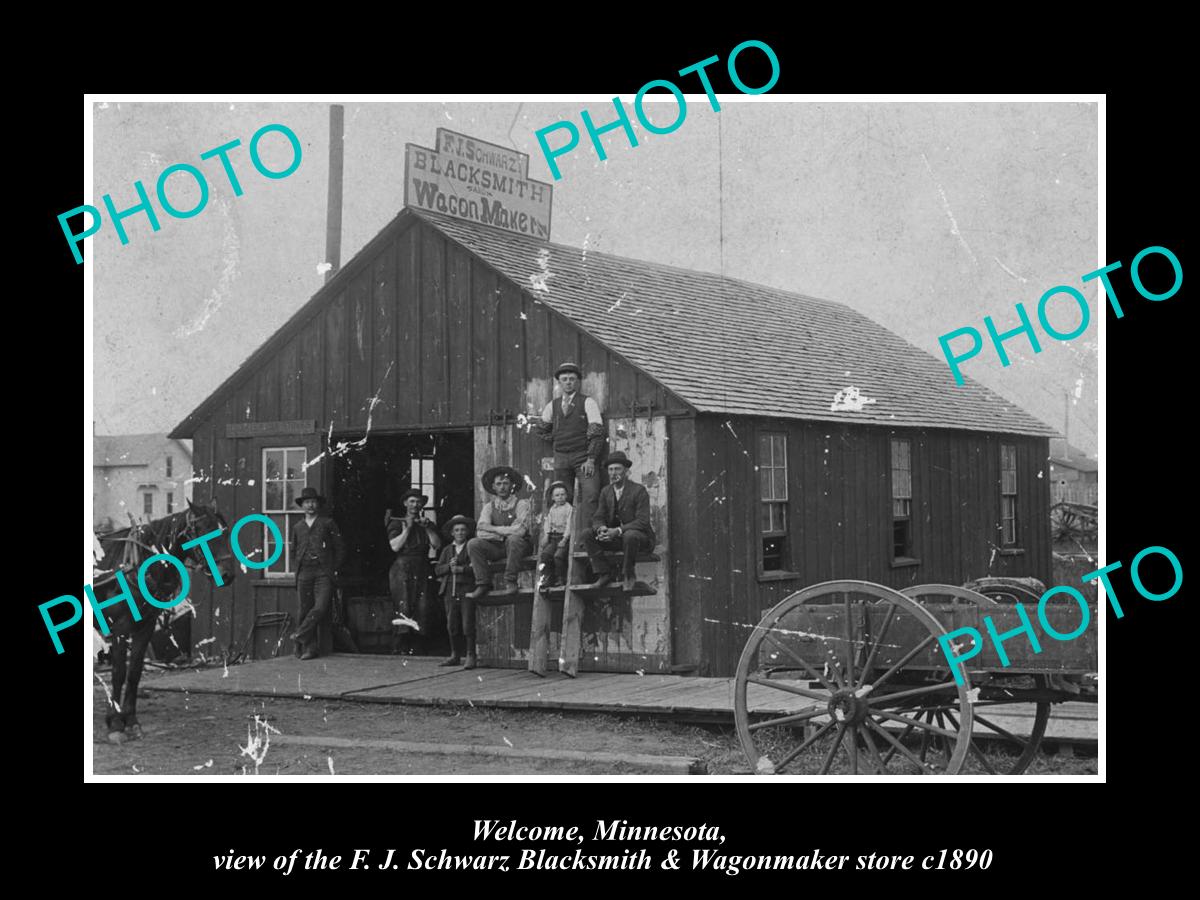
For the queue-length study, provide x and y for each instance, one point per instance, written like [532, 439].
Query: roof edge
[402, 220]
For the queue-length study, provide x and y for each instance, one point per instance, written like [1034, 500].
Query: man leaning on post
[575, 427]
[318, 550]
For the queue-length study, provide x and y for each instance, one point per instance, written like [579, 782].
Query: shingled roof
[723, 344]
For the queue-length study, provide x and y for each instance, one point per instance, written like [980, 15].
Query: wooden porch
[420, 681]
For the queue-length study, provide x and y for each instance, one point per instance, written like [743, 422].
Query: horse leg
[139, 641]
[114, 720]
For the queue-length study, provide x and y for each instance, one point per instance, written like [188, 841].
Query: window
[1008, 495]
[421, 479]
[170, 503]
[284, 477]
[169, 467]
[773, 493]
[902, 545]
[148, 504]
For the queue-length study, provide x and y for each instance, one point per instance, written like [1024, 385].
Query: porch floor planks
[420, 681]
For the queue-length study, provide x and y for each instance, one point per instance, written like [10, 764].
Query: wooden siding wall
[839, 519]
[440, 339]
[618, 635]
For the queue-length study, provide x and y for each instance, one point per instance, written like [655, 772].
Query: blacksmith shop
[783, 440]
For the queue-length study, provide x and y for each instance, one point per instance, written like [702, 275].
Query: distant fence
[1074, 492]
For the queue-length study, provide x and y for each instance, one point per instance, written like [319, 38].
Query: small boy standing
[556, 537]
[454, 568]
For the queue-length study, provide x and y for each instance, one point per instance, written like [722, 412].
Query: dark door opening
[369, 481]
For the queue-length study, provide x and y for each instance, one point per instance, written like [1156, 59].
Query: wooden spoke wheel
[995, 749]
[847, 677]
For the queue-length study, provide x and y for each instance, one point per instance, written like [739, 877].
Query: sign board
[470, 149]
[258, 429]
[462, 183]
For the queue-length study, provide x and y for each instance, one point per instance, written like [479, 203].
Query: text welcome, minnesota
[614, 830]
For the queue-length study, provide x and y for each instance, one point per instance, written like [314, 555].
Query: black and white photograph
[532, 436]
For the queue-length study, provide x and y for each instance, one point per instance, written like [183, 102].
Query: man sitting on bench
[621, 523]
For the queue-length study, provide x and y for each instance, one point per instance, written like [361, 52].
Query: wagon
[857, 682]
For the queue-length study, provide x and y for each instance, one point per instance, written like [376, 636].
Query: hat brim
[318, 498]
[411, 493]
[489, 477]
[568, 370]
[448, 528]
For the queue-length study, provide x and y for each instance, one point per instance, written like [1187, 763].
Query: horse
[126, 550]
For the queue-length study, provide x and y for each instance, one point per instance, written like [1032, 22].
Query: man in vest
[575, 427]
[502, 531]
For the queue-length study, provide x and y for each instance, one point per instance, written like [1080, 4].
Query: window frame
[908, 558]
[288, 514]
[784, 533]
[170, 467]
[148, 503]
[1015, 518]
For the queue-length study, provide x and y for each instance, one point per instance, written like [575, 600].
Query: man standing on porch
[575, 427]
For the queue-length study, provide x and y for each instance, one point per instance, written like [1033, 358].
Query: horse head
[202, 520]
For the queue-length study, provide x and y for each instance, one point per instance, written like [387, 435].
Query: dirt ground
[218, 734]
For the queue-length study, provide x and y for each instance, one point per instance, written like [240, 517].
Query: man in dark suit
[621, 522]
[318, 551]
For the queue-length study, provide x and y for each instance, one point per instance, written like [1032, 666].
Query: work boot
[510, 588]
[452, 661]
[470, 663]
[310, 652]
[480, 591]
[601, 581]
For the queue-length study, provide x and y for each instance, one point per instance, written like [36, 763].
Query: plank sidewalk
[371, 678]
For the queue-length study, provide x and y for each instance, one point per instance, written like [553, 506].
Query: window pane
[764, 481]
[772, 551]
[781, 517]
[148, 504]
[427, 471]
[414, 472]
[779, 459]
[272, 496]
[766, 517]
[272, 464]
[764, 449]
[292, 492]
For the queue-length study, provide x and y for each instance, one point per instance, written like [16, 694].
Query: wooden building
[785, 441]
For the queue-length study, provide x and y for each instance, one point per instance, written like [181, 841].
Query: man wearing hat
[574, 425]
[502, 532]
[621, 522]
[411, 539]
[317, 548]
[454, 568]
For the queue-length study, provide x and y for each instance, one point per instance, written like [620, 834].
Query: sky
[926, 217]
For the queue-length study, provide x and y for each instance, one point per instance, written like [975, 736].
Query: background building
[142, 474]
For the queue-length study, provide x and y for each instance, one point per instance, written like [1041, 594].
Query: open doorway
[369, 482]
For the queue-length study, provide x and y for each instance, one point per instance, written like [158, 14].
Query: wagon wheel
[849, 698]
[1063, 525]
[994, 749]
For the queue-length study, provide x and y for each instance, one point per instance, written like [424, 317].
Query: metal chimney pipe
[333, 217]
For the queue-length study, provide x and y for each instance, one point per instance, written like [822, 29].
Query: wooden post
[539, 628]
[572, 621]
